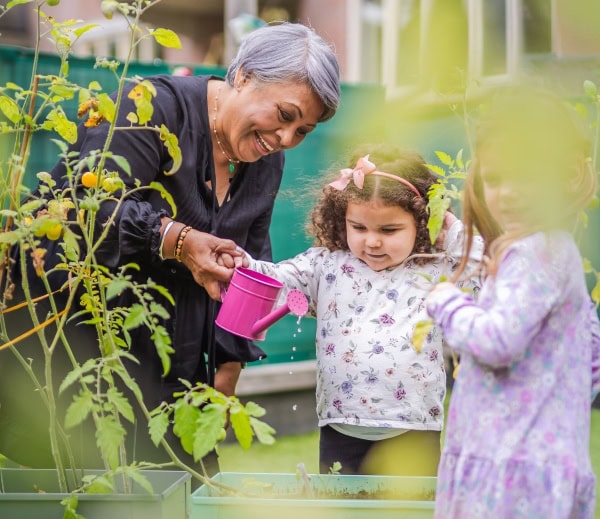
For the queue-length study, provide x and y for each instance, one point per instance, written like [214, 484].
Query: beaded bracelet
[180, 238]
[162, 240]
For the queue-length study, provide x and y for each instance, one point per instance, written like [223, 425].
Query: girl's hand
[227, 260]
[449, 219]
[442, 287]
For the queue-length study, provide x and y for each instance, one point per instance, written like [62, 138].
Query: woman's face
[382, 236]
[267, 117]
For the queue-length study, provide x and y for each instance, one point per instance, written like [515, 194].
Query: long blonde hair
[537, 131]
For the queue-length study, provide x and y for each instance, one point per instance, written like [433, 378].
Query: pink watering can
[248, 302]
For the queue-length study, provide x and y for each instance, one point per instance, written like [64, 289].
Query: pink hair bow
[363, 167]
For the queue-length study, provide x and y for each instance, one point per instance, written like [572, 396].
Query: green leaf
[185, 423]
[162, 343]
[75, 373]
[82, 30]
[264, 432]
[101, 484]
[167, 38]
[121, 404]
[10, 109]
[12, 3]
[211, 421]
[172, 145]
[136, 316]
[13, 86]
[10, 237]
[80, 408]
[165, 195]
[253, 409]
[438, 170]
[71, 244]
[109, 436]
[139, 478]
[32, 205]
[158, 426]
[122, 162]
[596, 292]
[422, 329]
[240, 421]
[115, 287]
[444, 158]
[106, 107]
[61, 124]
[437, 207]
[63, 90]
[70, 504]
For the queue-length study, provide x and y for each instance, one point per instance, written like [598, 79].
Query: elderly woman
[232, 134]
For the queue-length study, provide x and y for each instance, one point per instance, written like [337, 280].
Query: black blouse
[180, 104]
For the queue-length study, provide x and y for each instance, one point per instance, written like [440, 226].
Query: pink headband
[365, 167]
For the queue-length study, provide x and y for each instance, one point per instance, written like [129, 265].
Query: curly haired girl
[379, 399]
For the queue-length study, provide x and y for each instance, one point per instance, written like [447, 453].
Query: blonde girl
[517, 438]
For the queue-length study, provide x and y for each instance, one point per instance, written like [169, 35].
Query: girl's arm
[453, 246]
[301, 272]
[525, 291]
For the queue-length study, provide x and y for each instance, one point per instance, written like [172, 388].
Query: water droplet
[294, 336]
[291, 372]
[292, 357]
[299, 330]
[294, 407]
[293, 348]
[298, 320]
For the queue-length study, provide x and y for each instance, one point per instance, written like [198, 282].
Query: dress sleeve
[301, 272]
[524, 292]
[454, 243]
[595, 328]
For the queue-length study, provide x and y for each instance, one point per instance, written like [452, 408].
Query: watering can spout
[247, 304]
[295, 303]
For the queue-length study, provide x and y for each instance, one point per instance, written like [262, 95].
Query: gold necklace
[232, 162]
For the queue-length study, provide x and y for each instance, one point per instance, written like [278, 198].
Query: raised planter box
[33, 494]
[282, 496]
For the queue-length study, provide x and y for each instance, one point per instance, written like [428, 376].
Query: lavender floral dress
[517, 438]
[368, 373]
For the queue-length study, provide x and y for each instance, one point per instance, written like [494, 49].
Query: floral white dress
[368, 372]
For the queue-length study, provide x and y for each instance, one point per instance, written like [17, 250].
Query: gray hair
[290, 52]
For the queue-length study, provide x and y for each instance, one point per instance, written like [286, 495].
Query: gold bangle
[180, 238]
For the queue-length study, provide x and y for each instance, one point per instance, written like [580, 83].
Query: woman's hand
[200, 254]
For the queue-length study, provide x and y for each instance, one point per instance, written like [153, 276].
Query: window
[438, 45]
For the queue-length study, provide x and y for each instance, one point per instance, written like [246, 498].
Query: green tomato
[52, 3]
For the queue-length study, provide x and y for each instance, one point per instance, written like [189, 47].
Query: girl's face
[270, 117]
[382, 236]
[508, 192]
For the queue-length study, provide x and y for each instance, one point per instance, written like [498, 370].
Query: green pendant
[231, 167]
